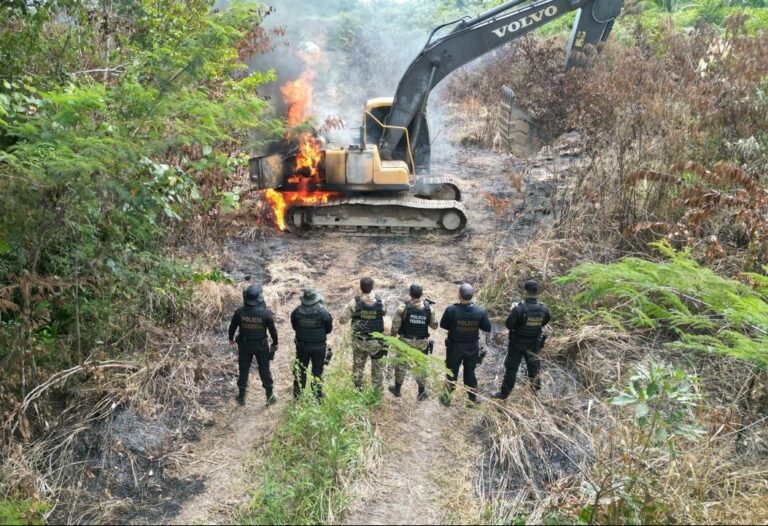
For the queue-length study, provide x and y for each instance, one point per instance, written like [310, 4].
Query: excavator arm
[469, 39]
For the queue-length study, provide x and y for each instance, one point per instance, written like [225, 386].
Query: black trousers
[245, 356]
[517, 352]
[303, 358]
[456, 357]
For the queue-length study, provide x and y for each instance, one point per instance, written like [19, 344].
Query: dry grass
[119, 437]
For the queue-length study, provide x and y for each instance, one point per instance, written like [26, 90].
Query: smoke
[359, 50]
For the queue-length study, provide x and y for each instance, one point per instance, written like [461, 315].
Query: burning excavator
[381, 184]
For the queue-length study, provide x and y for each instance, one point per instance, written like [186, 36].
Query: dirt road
[426, 462]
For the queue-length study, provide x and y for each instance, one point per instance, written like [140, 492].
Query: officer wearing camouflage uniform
[411, 323]
[254, 320]
[312, 323]
[525, 323]
[366, 313]
[463, 321]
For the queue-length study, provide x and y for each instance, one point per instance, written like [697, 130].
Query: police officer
[525, 323]
[366, 312]
[463, 321]
[254, 320]
[312, 323]
[411, 323]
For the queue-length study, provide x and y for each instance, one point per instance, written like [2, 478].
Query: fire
[282, 201]
[297, 95]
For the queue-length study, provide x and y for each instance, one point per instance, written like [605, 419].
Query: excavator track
[379, 216]
[442, 188]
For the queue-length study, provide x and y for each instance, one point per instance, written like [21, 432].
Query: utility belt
[537, 343]
[313, 346]
[250, 339]
[416, 342]
[470, 347]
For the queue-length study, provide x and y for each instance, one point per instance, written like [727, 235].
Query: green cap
[310, 297]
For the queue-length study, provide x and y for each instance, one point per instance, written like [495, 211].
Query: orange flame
[282, 201]
[297, 95]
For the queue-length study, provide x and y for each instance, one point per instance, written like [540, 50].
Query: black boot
[395, 389]
[241, 396]
[271, 397]
[423, 394]
[473, 396]
[500, 395]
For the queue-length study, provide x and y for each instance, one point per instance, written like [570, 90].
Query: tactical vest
[253, 324]
[531, 321]
[467, 328]
[310, 332]
[415, 322]
[368, 319]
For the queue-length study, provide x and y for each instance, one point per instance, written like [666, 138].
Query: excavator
[381, 185]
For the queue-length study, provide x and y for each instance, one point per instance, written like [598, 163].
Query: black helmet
[252, 295]
[531, 287]
[466, 291]
[415, 291]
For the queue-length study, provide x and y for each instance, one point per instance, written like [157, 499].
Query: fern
[702, 311]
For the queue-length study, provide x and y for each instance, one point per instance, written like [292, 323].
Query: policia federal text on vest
[367, 319]
[525, 323]
[415, 324]
[253, 321]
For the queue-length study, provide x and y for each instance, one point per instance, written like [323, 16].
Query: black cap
[466, 291]
[252, 295]
[415, 291]
[531, 286]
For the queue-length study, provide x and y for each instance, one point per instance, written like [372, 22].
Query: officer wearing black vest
[525, 323]
[366, 313]
[254, 321]
[463, 321]
[312, 323]
[411, 323]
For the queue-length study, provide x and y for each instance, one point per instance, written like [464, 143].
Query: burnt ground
[429, 456]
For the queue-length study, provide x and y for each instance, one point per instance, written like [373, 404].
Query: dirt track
[419, 476]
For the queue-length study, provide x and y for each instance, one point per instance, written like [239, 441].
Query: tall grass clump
[315, 452]
[696, 308]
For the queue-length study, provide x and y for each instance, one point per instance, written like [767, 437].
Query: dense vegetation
[124, 127]
[121, 126]
[124, 130]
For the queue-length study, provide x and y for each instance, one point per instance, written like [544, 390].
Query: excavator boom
[470, 39]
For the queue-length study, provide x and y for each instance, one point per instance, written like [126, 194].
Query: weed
[316, 451]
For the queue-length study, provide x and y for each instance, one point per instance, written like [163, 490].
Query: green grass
[699, 310]
[316, 451]
[22, 512]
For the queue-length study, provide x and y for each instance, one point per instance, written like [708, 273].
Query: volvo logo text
[524, 22]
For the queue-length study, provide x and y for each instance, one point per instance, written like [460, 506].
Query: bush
[697, 309]
[316, 451]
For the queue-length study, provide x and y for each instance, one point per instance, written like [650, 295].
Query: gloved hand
[481, 356]
[430, 346]
[381, 354]
[328, 356]
[272, 351]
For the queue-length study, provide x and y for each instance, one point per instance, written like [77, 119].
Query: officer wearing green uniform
[254, 320]
[312, 323]
[525, 323]
[411, 323]
[366, 313]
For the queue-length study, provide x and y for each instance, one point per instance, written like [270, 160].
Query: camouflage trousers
[402, 369]
[361, 351]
